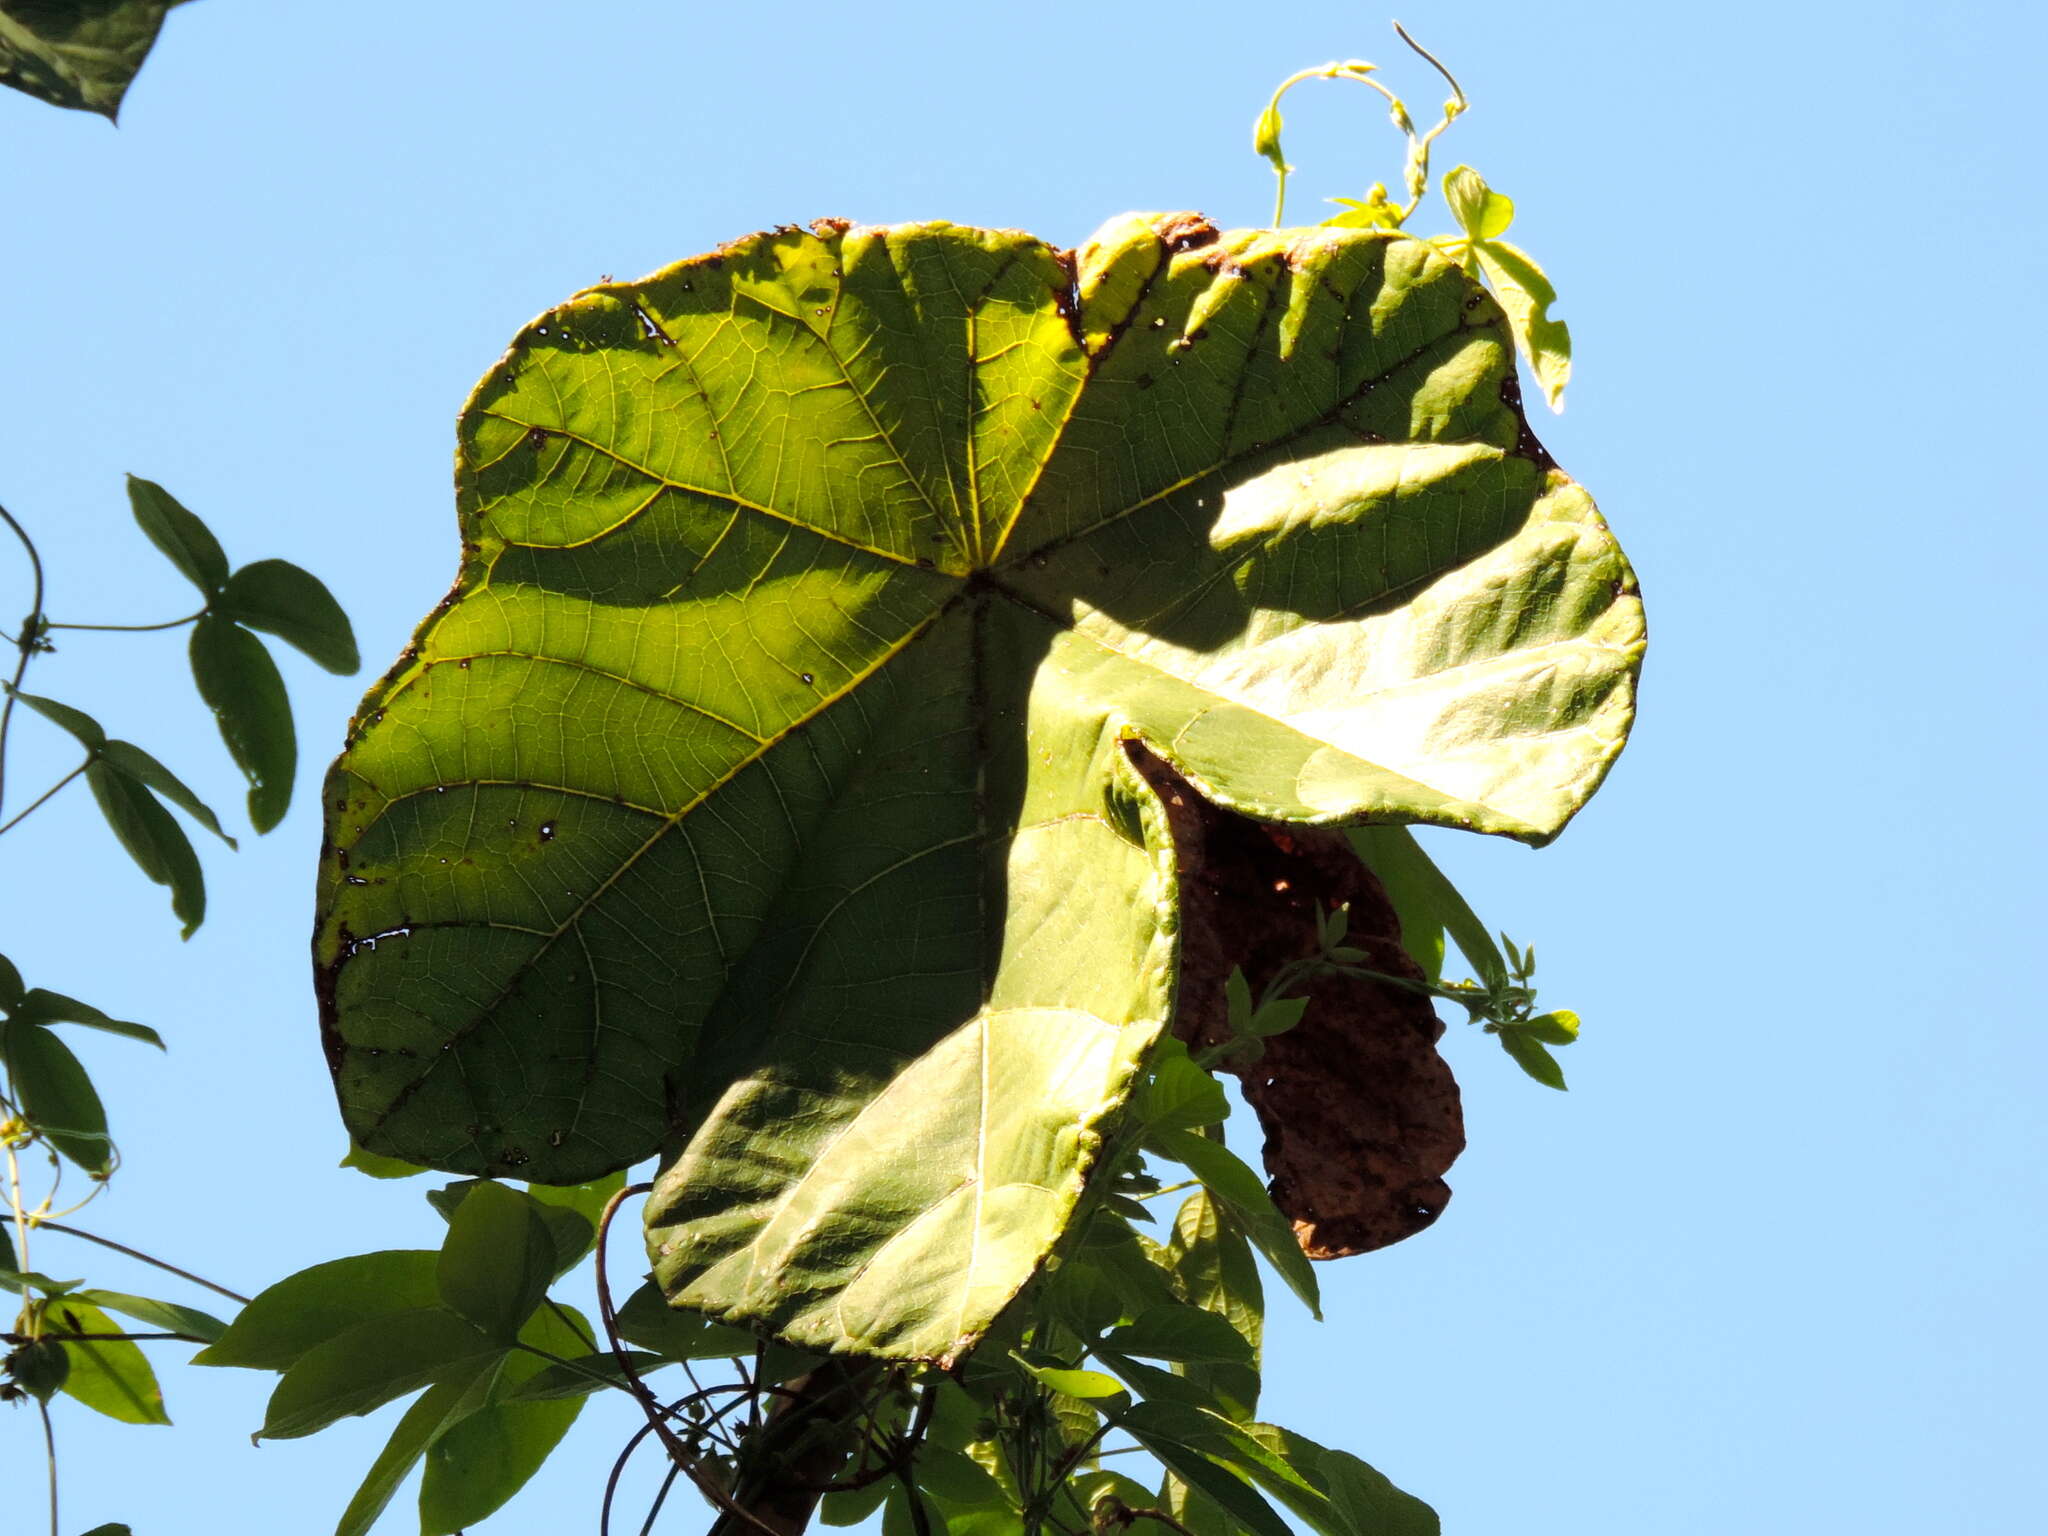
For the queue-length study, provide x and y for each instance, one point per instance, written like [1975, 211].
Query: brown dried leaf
[1361, 1115]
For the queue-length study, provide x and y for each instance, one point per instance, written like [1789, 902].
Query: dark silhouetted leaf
[39, 1369]
[76, 721]
[185, 541]
[281, 599]
[153, 839]
[42, 1006]
[126, 758]
[463, 1391]
[54, 1092]
[240, 684]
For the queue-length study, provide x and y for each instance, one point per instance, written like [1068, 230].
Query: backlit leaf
[367, 1366]
[497, 1259]
[765, 784]
[110, 1376]
[42, 1006]
[157, 1314]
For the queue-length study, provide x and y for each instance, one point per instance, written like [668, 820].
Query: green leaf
[154, 840]
[1181, 1095]
[110, 1376]
[1214, 1268]
[1244, 1194]
[850, 1506]
[584, 1201]
[1278, 1016]
[370, 1164]
[582, 1374]
[19, 1279]
[1525, 293]
[315, 1306]
[40, 1368]
[1532, 1057]
[1482, 212]
[1184, 1333]
[1266, 139]
[42, 1006]
[76, 721]
[80, 54]
[10, 1261]
[648, 1320]
[440, 1408]
[56, 1095]
[1082, 1384]
[1156, 1385]
[184, 540]
[11, 992]
[765, 790]
[113, 1528]
[366, 1366]
[1163, 1429]
[1333, 1491]
[1560, 1027]
[474, 1467]
[1414, 883]
[497, 1259]
[127, 758]
[293, 604]
[158, 1314]
[241, 685]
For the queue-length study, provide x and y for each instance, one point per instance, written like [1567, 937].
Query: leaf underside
[77, 53]
[762, 792]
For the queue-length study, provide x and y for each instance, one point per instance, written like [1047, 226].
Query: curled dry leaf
[1361, 1115]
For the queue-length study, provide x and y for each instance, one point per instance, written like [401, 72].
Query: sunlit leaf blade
[1483, 213]
[1422, 893]
[1525, 293]
[764, 783]
[293, 604]
[1213, 1265]
[241, 685]
[1244, 1195]
[477, 1465]
[77, 53]
[308, 1309]
[179, 533]
[55, 1094]
[377, 1167]
[1163, 1429]
[42, 1006]
[110, 1376]
[154, 840]
[125, 757]
[1334, 1491]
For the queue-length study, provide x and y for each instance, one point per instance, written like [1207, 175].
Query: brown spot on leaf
[1361, 1115]
[1187, 232]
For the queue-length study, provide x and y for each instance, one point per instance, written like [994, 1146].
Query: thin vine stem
[50, 1457]
[131, 629]
[42, 799]
[136, 1253]
[25, 643]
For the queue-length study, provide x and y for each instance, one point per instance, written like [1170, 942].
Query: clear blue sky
[1775, 1264]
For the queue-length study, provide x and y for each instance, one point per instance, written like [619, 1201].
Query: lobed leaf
[765, 783]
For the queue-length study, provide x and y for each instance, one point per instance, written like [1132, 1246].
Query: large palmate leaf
[764, 788]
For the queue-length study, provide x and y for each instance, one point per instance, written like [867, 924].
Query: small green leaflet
[1520, 285]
